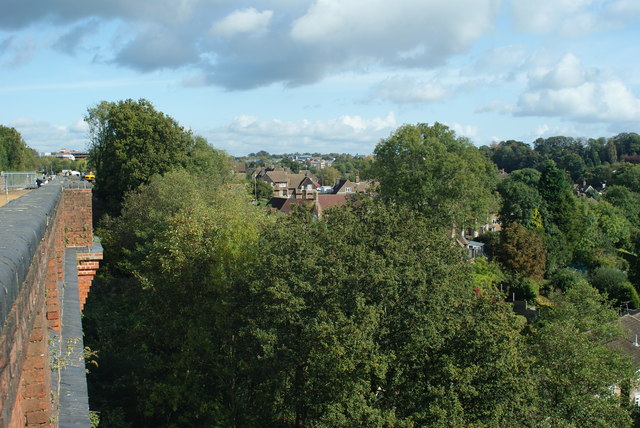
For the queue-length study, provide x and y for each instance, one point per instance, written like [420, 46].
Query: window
[282, 184]
[348, 189]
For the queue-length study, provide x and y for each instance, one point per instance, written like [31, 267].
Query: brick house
[286, 184]
[344, 186]
[317, 205]
[630, 345]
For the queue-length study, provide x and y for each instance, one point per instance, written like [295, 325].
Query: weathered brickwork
[76, 210]
[36, 292]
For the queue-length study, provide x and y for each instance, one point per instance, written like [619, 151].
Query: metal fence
[76, 184]
[18, 180]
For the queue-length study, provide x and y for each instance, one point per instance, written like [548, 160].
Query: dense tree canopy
[15, 155]
[430, 169]
[131, 141]
[370, 315]
[573, 367]
[513, 155]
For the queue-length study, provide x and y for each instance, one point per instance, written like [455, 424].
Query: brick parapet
[34, 231]
[88, 264]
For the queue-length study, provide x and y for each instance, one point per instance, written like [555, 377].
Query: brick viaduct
[47, 261]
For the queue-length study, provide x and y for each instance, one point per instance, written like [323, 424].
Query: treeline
[581, 158]
[210, 312]
[15, 155]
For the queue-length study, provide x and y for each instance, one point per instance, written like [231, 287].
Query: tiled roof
[629, 344]
[277, 176]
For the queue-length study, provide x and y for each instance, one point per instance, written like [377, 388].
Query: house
[492, 225]
[286, 184]
[344, 186]
[630, 346]
[317, 205]
[474, 249]
[585, 189]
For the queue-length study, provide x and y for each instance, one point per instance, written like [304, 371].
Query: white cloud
[402, 90]
[544, 15]
[545, 130]
[350, 134]
[402, 31]
[469, 131]
[248, 21]
[573, 18]
[46, 137]
[500, 59]
[568, 73]
[610, 101]
[570, 91]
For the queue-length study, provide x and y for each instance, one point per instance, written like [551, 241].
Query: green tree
[130, 142]
[573, 367]
[209, 163]
[528, 176]
[627, 144]
[630, 178]
[328, 176]
[565, 278]
[521, 203]
[487, 275]
[174, 255]
[374, 323]
[627, 201]
[521, 251]
[614, 283]
[260, 190]
[574, 164]
[513, 155]
[15, 155]
[437, 173]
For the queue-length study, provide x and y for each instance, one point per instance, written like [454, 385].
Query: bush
[615, 283]
[525, 288]
[563, 279]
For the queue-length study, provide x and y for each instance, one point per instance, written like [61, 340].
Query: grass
[13, 194]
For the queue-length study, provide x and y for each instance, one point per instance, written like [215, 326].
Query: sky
[323, 76]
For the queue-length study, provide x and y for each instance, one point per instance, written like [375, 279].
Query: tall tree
[437, 173]
[627, 201]
[513, 155]
[373, 323]
[173, 256]
[574, 369]
[15, 155]
[521, 251]
[130, 142]
[520, 203]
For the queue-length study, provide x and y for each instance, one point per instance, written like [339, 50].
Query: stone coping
[23, 224]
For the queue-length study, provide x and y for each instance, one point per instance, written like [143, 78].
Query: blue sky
[323, 75]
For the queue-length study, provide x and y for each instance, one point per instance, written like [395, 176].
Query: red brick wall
[25, 369]
[26, 377]
[77, 213]
[88, 264]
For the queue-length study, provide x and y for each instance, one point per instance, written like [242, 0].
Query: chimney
[357, 178]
